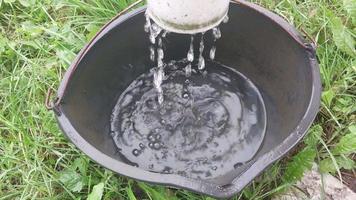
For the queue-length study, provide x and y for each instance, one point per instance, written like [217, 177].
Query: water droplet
[226, 19]
[216, 33]
[237, 165]
[253, 108]
[201, 63]
[150, 145]
[112, 133]
[167, 170]
[212, 52]
[136, 152]
[151, 138]
[160, 43]
[156, 145]
[160, 55]
[164, 34]
[141, 145]
[147, 26]
[155, 30]
[152, 53]
[157, 80]
[152, 39]
[158, 137]
[188, 70]
[201, 45]
[190, 54]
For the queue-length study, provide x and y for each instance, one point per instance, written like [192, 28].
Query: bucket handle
[50, 103]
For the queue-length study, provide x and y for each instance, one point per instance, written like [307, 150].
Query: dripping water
[201, 61]
[157, 53]
[190, 57]
[154, 36]
[203, 125]
[159, 74]
[226, 19]
[216, 32]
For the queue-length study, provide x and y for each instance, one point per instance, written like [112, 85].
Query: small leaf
[352, 129]
[301, 162]
[313, 136]
[156, 193]
[209, 198]
[97, 192]
[65, 56]
[58, 4]
[342, 38]
[30, 29]
[27, 3]
[350, 7]
[31, 43]
[81, 164]
[346, 145]
[327, 97]
[327, 165]
[9, 1]
[130, 193]
[92, 29]
[72, 180]
[122, 4]
[345, 104]
[3, 42]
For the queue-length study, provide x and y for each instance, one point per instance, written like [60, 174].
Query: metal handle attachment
[48, 102]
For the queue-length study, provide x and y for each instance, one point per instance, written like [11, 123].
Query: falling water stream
[197, 119]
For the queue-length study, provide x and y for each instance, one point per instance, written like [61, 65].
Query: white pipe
[187, 16]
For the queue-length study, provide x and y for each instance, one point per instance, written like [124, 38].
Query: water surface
[209, 122]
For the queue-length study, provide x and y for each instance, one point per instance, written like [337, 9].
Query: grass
[39, 39]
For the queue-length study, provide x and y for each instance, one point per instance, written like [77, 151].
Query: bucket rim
[176, 181]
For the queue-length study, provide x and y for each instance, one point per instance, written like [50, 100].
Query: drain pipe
[187, 16]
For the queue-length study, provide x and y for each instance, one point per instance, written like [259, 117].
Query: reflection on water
[208, 123]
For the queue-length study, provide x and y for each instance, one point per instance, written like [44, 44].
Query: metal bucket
[256, 42]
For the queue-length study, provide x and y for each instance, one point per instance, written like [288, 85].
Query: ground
[39, 39]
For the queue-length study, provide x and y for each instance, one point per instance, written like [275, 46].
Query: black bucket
[257, 43]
